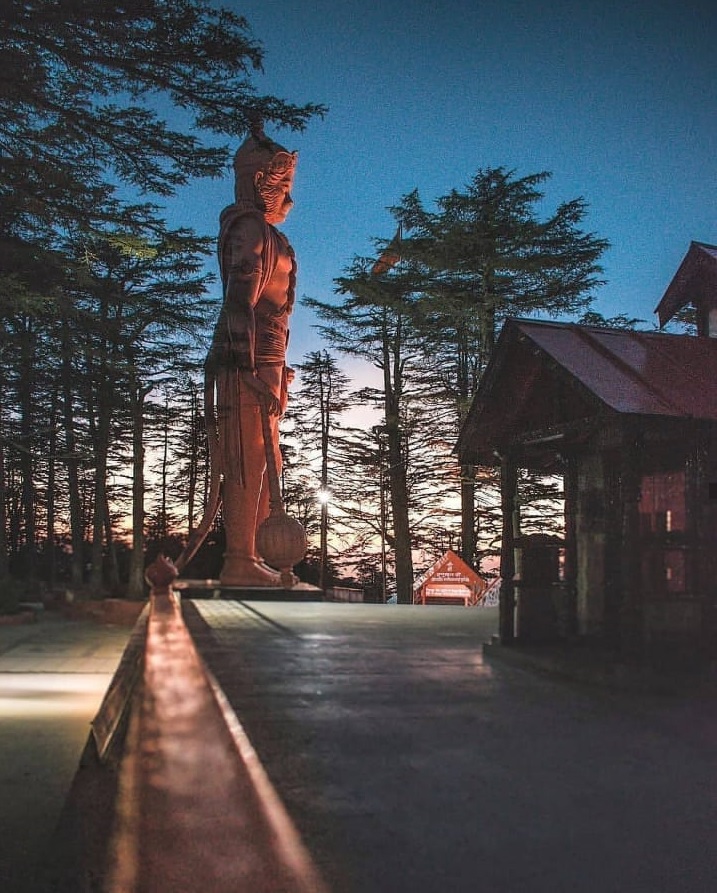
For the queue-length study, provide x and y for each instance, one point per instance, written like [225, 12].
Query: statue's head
[264, 173]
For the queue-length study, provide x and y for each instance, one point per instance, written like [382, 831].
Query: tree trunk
[98, 520]
[113, 576]
[100, 424]
[325, 416]
[50, 551]
[323, 544]
[77, 533]
[468, 515]
[393, 385]
[14, 510]
[27, 463]
[401, 526]
[465, 391]
[194, 433]
[4, 563]
[163, 530]
[135, 586]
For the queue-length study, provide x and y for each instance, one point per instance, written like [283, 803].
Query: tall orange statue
[246, 375]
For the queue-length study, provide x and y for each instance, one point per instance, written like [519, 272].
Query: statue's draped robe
[272, 336]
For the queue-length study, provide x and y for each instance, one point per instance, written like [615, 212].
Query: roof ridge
[668, 358]
[630, 370]
[609, 330]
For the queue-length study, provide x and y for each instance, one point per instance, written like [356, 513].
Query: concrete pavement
[410, 764]
[53, 675]
[407, 761]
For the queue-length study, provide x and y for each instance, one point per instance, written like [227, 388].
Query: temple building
[450, 581]
[628, 421]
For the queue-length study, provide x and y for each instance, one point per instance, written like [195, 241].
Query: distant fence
[344, 594]
[491, 596]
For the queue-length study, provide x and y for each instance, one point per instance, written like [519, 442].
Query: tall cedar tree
[317, 407]
[364, 493]
[375, 321]
[82, 84]
[87, 92]
[353, 475]
[147, 297]
[486, 253]
[189, 453]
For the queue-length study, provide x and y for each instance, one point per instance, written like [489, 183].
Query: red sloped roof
[694, 281]
[644, 373]
[450, 568]
[634, 373]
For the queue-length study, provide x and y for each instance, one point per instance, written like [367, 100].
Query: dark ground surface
[53, 675]
[408, 761]
[411, 764]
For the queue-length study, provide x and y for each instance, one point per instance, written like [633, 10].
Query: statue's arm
[244, 270]
[243, 265]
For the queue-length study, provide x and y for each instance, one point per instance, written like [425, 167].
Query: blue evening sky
[618, 99]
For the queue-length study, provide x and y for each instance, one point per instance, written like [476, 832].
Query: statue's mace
[280, 540]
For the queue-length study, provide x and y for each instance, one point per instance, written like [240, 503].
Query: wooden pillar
[699, 579]
[569, 621]
[468, 514]
[508, 486]
[631, 608]
[707, 580]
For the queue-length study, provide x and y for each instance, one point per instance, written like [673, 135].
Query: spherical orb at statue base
[281, 542]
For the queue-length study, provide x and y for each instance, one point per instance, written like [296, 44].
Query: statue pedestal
[301, 592]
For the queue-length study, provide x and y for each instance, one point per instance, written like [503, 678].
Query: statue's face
[274, 189]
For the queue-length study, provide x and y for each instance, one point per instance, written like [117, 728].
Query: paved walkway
[53, 675]
[411, 765]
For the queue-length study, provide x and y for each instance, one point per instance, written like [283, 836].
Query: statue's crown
[259, 153]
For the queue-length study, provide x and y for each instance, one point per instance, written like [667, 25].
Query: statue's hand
[237, 354]
[262, 388]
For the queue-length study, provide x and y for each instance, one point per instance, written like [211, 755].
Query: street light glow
[323, 496]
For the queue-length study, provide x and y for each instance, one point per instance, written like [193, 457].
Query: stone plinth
[301, 592]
